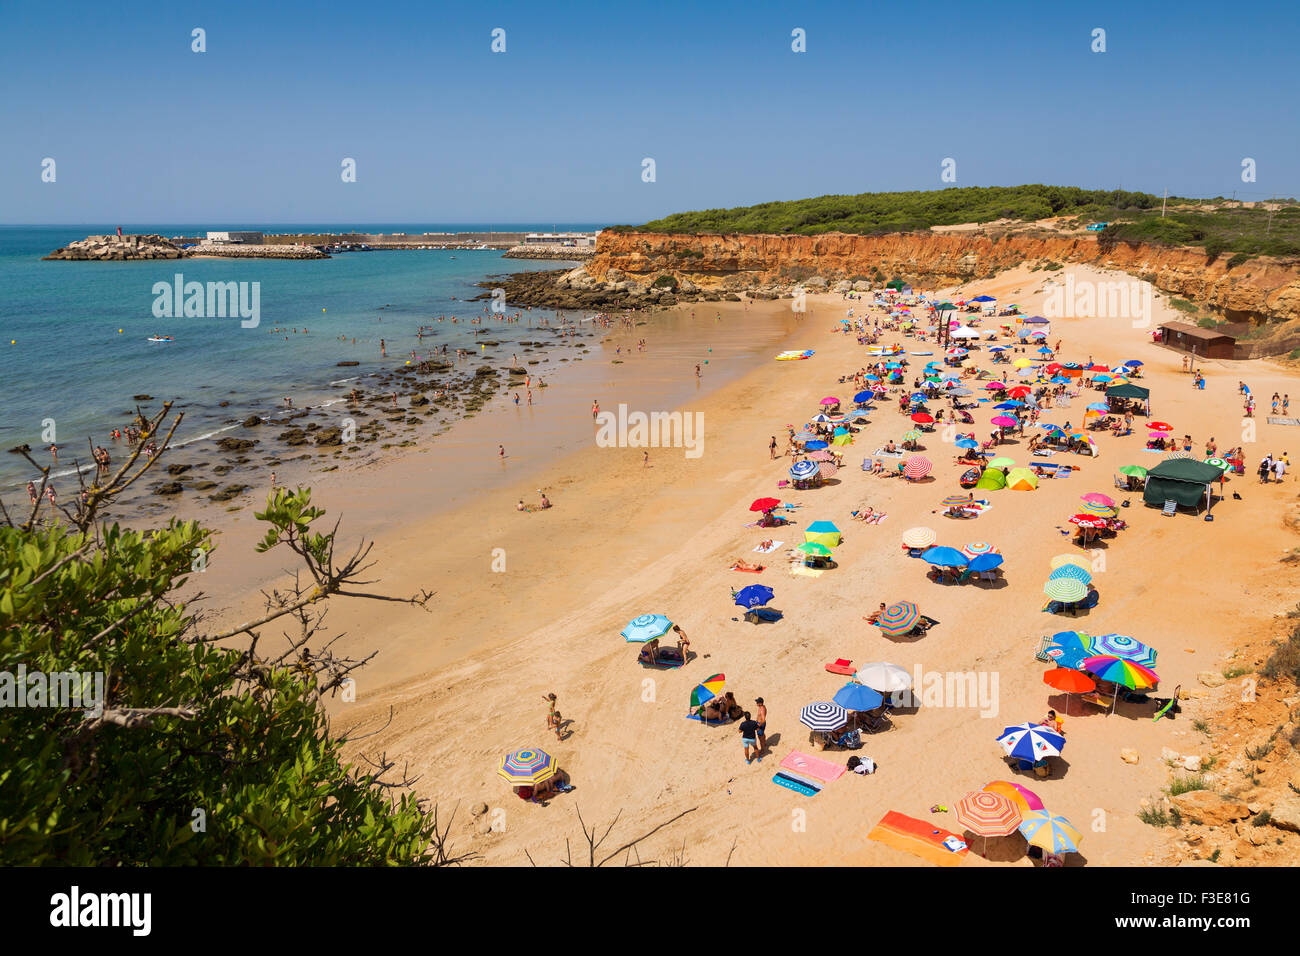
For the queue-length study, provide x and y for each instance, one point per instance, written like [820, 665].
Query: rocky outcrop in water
[105, 248]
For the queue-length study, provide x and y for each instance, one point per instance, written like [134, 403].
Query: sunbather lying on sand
[739, 565]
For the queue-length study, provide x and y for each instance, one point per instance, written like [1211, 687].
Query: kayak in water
[160, 338]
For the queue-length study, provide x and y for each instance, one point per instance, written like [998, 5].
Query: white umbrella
[884, 677]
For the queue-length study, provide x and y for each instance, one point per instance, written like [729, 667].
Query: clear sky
[442, 129]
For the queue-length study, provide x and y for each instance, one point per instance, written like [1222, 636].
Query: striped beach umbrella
[821, 455]
[823, 715]
[1051, 833]
[1071, 572]
[1087, 521]
[953, 501]
[899, 618]
[917, 467]
[1117, 670]
[527, 766]
[1065, 590]
[1023, 797]
[709, 689]
[987, 814]
[884, 677]
[1128, 648]
[1077, 559]
[1099, 510]
[978, 547]
[1031, 742]
[646, 627]
[911, 435]
[803, 469]
[1097, 498]
[918, 537]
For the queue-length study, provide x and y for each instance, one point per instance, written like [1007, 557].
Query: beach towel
[757, 570]
[919, 838]
[799, 571]
[801, 785]
[775, 544]
[710, 723]
[806, 765]
[842, 666]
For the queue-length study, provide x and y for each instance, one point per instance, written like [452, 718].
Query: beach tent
[1021, 479]
[992, 480]
[823, 532]
[1183, 480]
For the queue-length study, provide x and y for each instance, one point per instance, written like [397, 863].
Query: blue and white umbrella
[756, 595]
[1071, 572]
[646, 627]
[823, 715]
[803, 469]
[1031, 742]
[1121, 645]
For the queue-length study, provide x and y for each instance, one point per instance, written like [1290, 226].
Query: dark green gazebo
[1182, 480]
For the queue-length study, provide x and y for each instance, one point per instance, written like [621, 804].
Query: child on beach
[553, 718]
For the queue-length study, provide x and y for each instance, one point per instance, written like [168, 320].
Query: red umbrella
[1160, 426]
[765, 504]
[1019, 391]
[921, 418]
[1069, 680]
[917, 467]
[1088, 521]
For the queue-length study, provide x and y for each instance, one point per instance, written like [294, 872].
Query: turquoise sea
[73, 335]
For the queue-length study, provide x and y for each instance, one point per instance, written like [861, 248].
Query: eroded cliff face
[1258, 290]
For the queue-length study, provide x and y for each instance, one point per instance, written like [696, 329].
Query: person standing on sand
[595, 408]
[772, 447]
[762, 725]
[697, 371]
[553, 717]
[749, 737]
[683, 642]
[501, 453]
[645, 459]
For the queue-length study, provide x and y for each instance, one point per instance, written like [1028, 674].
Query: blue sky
[555, 129]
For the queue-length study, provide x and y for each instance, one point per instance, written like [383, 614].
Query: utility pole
[1164, 202]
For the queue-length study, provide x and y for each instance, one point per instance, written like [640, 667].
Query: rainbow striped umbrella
[646, 627]
[1050, 833]
[1076, 559]
[953, 501]
[978, 547]
[1064, 589]
[526, 766]
[1031, 742]
[899, 618]
[987, 814]
[1123, 646]
[919, 537]
[1071, 572]
[917, 467]
[1117, 670]
[708, 690]
[1023, 797]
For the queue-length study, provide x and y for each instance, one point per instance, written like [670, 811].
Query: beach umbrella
[1021, 363]
[830, 400]
[960, 391]
[1133, 363]
[1123, 646]
[1101, 378]
[1021, 479]
[1019, 391]
[984, 298]
[863, 397]
[805, 435]
[1010, 405]
[823, 532]
[1218, 463]
[823, 715]
[1023, 797]
[755, 595]
[899, 618]
[527, 767]
[917, 467]
[1097, 510]
[1004, 421]
[1097, 498]
[821, 454]
[985, 562]
[857, 697]
[1118, 670]
[1050, 833]
[918, 538]
[1002, 461]
[966, 443]
[1134, 471]
[1160, 426]
[1031, 742]
[803, 469]
[1068, 648]
[827, 469]
[1065, 590]
[1069, 680]
[945, 557]
[995, 386]
[1076, 559]
[764, 504]
[978, 547]
[815, 445]
[921, 418]
[646, 627]
[705, 692]
[1071, 572]
[911, 435]
[987, 814]
[953, 501]
[1173, 455]
[820, 418]
[881, 676]
[1098, 407]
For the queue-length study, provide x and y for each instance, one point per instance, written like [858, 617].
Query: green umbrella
[1135, 471]
[812, 547]
[1218, 463]
[1065, 589]
[1001, 462]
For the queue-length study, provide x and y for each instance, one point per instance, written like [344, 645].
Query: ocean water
[73, 335]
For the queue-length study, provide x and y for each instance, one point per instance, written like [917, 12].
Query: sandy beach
[456, 687]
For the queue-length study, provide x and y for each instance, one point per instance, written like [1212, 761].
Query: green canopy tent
[1130, 391]
[898, 285]
[1184, 480]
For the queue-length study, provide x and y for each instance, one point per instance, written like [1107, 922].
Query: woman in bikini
[553, 718]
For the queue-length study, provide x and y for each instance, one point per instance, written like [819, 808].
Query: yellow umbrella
[1022, 363]
[918, 537]
[1078, 560]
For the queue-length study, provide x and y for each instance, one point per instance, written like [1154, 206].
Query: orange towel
[917, 837]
